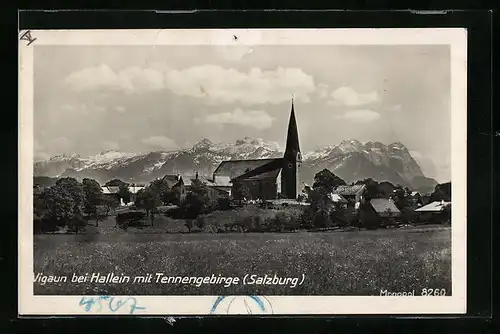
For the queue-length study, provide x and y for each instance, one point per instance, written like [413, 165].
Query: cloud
[253, 118]
[426, 164]
[39, 151]
[359, 116]
[60, 143]
[234, 52]
[110, 145]
[95, 78]
[81, 109]
[216, 84]
[322, 90]
[159, 142]
[221, 85]
[397, 107]
[349, 97]
[120, 109]
[416, 155]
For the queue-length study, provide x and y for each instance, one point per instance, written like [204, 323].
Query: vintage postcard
[259, 171]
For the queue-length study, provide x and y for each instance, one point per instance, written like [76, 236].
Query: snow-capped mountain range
[351, 160]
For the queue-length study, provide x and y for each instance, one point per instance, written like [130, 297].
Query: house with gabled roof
[113, 191]
[377, 211]
[435, 212]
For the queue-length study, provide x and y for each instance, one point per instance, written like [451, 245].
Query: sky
[89, 99]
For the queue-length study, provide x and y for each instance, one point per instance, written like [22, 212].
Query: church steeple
[290, 173]
[292, 139]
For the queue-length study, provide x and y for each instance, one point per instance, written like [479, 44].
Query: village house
[177, 185]
[377, 211]
[435, 212]
[352, 196]
[113, 191]
[415, 200]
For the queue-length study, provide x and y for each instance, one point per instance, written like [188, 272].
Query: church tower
[292, 160]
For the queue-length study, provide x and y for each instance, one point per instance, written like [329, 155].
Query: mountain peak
[203, 143]
[65, 156]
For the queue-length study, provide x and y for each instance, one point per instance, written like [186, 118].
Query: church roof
[292, 139]
[234, 168]
[267, 175]
[269, 170]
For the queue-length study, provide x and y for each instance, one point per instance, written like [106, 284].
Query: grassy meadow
[334, 263]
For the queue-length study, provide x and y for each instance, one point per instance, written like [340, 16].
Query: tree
[442, 192]
[148, 200]
[39, 206]
[75, 191]
[400, 197]
[197, 200]
[93, 198]
[162, 189]
[124, 193]
[114, 183]
[240, 191]
[327, 181]
[319, 212]
[109, 203]
[60, 204]
[372, 189]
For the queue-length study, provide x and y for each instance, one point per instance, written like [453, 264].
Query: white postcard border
[29, 304]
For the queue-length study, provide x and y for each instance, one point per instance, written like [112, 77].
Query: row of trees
[196, 201]
[322, 212]
[71, 203]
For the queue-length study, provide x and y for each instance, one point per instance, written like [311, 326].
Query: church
[266, 179]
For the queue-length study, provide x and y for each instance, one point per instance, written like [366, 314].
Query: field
[333, 263]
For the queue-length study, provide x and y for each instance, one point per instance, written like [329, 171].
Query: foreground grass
[343, 263]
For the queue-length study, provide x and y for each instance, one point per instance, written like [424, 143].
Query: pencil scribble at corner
[26, 36]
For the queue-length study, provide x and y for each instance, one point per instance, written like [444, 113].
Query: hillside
[351, 160]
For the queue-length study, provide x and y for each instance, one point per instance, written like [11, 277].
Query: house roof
[134, 190]
[381, 205]
[234, 168]
[171, 179]
[436, 206]
[336, 198]
[114, 190]
[415, 193]
[349, 190]
[110, 189]
[268, 170]
[272, 174]
[220, 181]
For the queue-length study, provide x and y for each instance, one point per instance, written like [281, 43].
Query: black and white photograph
[243, 163]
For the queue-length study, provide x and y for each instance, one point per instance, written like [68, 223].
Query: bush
[321, 219]
[77, 224]
[200, 222]
[248, 224]
[215, 227]
[223, 204]
[189, 225]
[129, 219]
[293, 224]
[45, 225]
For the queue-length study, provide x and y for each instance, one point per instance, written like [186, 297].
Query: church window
[290, 165]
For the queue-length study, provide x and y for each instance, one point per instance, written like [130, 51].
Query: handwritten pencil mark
[113, 303]
[26, 36]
